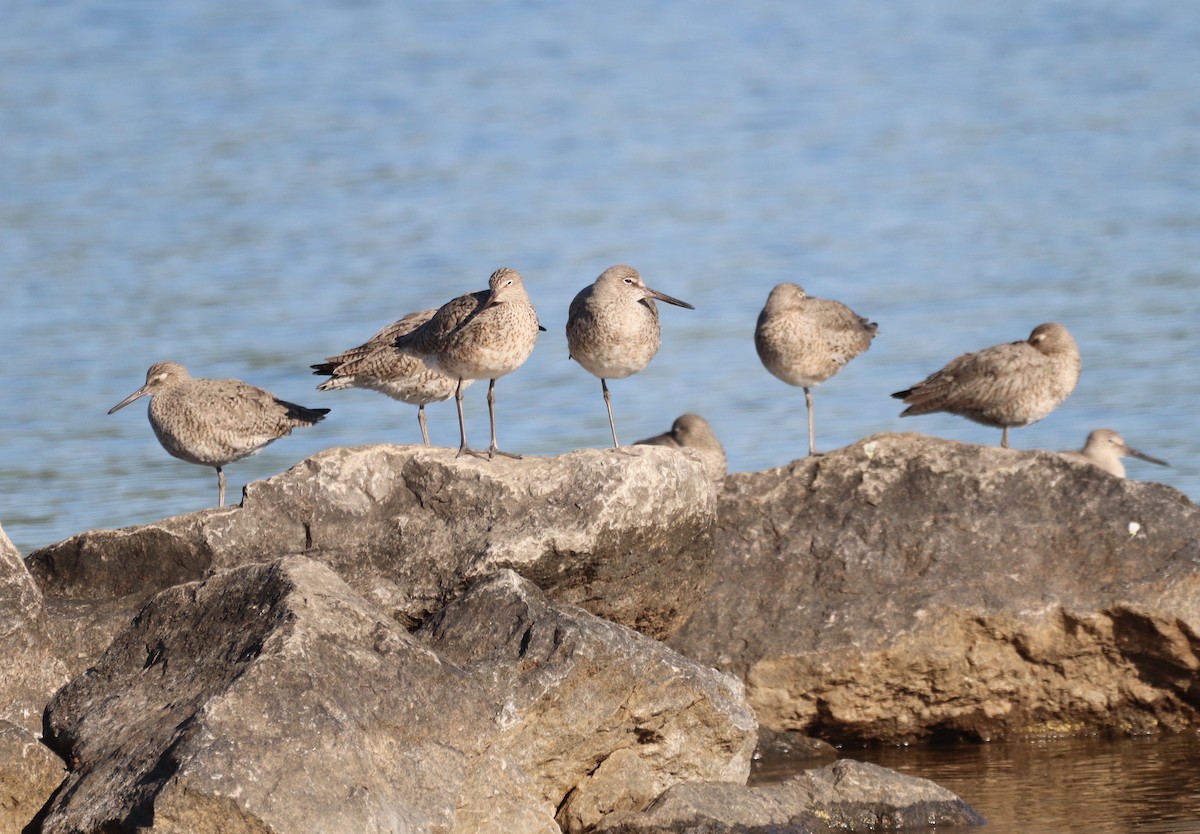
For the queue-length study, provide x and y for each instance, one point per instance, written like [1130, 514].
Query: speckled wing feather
[344, 363]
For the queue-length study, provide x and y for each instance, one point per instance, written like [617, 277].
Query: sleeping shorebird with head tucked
[1004, 386]
[378, 365]
[804, 340]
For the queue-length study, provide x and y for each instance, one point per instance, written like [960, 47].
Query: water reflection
[1092, 785]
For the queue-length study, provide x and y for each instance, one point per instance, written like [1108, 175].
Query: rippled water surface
[1080, 786]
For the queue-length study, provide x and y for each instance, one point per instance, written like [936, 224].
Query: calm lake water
[247, 188]
[1063, 786]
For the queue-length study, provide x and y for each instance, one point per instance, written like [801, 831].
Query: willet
[691, 431]
[379, 365]
[804, 340]
[213, 422]
[613, 329]
[1105, 448]
[1004, 386]
[480, 335]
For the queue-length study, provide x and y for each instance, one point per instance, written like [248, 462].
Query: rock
[29, 674]
[273, 698]
[626, 534]
[783, 752]
[843, 796]
[907, 587]
[593, 711]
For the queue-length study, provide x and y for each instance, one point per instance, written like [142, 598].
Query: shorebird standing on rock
[1105, 448]
[804, 340]
[214, 422]
[691, 431]
[480, 335]
[613, 329]
[379, 365]
[1004, 386]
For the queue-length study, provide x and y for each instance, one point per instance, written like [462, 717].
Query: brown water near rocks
[1092, 785]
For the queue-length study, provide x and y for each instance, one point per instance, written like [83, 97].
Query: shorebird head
[627, 280]
[506, 285]
[159, 376]
[1106, 442]
[1052, 338]
[784, 296]
[694, 431]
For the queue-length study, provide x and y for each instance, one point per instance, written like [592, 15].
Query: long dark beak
[662, 296]
[1134, 453]
[141, 392]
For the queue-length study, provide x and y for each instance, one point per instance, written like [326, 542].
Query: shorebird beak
[141, 392]
[662, 296]
[1134, 453]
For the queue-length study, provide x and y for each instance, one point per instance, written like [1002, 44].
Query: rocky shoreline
[392, 639]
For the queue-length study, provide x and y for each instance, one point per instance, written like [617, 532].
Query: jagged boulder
[273, 698]
[604, 717]
[29, 674]
[907, 587]
[624, 533]
[843, 796]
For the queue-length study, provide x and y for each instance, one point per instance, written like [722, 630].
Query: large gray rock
[843, 796]
[906, 587]
[273, 698]
[624, 533]
[602, 717]
[29, 674]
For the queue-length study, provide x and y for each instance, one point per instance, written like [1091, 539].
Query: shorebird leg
[812, 435]
[1004, 438]
[220, 487]
[462, 426]
[421, 420]
[494, 450]
[608, 405]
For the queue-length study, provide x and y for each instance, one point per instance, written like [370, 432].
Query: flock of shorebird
[613, 331]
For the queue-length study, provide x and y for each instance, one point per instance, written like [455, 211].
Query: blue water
[249, 187]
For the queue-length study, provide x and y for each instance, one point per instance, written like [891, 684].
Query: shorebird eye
[628, 280]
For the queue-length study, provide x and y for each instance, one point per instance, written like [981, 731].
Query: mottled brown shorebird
[379, 365]
[804, 340]
[613, 329]
[1105, 448]
[214, 422]
[480, 335]
[691, 431]
[1004, 386]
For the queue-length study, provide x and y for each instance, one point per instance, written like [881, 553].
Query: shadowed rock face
[29, 674]
[623, 533]
[907, 587]
[273, 698]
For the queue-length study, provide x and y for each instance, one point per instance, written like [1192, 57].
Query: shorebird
[804, 340]
[480, 335]
[379, 365]
[1004, 386]
[1105, 448]
[214, 422]
[691, 431]
[613, 329]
